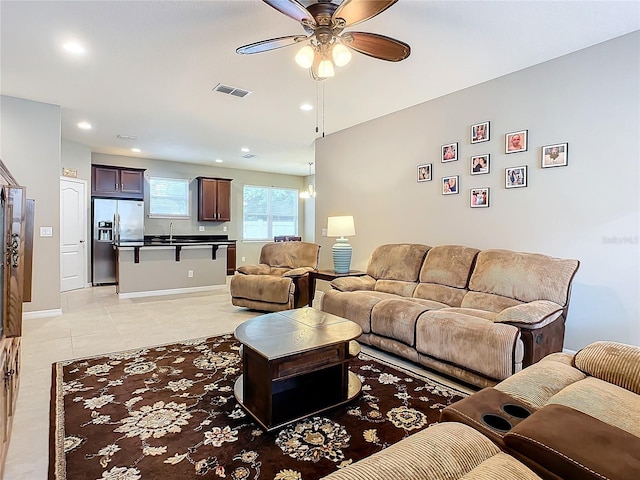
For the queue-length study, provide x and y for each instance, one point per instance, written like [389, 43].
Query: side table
[327, 275]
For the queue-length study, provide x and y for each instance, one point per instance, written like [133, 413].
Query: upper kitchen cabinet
[214, 199]
[117, 182]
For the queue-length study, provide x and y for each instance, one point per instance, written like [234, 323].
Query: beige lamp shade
[341, 226]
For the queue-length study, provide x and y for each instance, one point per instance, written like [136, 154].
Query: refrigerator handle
[116, 228]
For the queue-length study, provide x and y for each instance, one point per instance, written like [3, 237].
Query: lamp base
[341, 255]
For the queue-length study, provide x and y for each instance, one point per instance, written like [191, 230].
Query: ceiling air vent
[248, 155]
[127, 137]
[236, 92]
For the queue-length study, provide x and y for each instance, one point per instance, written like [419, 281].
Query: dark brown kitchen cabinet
[117, 182]
[231, 259]
[214, 199]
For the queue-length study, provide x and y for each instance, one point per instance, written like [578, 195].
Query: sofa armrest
[350, 284]
[261, 269]
[530, 315]
[298, 272]
[572, 444]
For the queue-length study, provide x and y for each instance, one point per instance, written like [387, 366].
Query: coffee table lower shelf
[294, 404]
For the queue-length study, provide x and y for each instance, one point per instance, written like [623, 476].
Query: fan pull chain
[322, 109]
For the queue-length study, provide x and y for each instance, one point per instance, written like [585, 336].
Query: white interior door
[73, 234]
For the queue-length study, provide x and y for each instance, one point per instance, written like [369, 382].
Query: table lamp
[341, 227]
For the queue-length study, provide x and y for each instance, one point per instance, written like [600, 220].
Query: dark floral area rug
[168, 412]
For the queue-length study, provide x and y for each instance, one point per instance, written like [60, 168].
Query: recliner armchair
[280, 281]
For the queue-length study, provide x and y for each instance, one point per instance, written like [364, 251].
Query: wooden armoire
[16, 235]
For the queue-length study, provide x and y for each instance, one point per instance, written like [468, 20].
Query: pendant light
[310, 191]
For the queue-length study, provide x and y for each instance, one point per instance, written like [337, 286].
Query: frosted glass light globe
[341, 55]
[304, 57]
[325, 69]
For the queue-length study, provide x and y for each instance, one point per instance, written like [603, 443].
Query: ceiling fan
[328, 43]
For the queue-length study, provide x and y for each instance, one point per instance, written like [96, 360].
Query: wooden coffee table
[295, 364]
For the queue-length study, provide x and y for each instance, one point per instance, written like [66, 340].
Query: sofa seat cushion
[396, 318]
[474, 312]
[427, 304]
[470, 342]
[265, 288]
[261, 269]
[397, 287]
[440, 293]
[612, 362]
[356, 306]
[488, 302]
[536, 384]
[570, 444]
[607, 402]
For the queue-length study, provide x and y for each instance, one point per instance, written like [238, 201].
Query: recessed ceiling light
[218, 160]
[137, 150]
[84, 125]
[306, 107]
[245, 149]
[74, 47]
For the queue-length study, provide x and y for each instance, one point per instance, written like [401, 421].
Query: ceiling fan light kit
[328, 45]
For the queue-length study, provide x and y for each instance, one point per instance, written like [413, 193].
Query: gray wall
[30, 147]
[588, 210]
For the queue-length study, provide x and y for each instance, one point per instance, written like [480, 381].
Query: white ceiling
[150, 68]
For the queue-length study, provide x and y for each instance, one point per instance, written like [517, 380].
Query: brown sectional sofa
[566, 417]
[480, 316]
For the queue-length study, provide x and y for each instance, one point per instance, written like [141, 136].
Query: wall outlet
[201, 228]
[324, 232]
[190, 274]
[224, 229]
[243, 259]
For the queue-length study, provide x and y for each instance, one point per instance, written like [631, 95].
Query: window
[268, 212]
[168, 197]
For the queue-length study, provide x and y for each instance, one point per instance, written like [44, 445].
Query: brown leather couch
[479, 316]
[280, 281]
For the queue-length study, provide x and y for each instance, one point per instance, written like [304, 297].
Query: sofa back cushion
[523, 276]
[445, 273]
[448, 265]
[611, 362]
[290, 254]
[396, 267]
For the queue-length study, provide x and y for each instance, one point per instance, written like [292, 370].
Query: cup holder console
[496, 422]
[515, 410]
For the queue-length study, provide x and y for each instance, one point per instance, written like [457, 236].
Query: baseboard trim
[173, 291]
[42, 314]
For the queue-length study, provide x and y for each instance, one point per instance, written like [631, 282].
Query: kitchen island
[162, 265]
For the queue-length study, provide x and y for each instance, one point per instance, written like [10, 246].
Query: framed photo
[479, 164]
[450, 185]
[480, 132]
[515, 177]
[449, 152]
[479, 197]
[424, 172]
[516, 141]
[555, 155]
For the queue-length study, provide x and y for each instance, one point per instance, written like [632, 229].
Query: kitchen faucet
[170, 232]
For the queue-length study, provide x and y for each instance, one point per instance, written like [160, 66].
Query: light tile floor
[95, 321]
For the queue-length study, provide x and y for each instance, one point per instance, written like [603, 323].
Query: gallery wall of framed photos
[517, 141]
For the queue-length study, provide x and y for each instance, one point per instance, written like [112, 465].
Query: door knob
[81, 241]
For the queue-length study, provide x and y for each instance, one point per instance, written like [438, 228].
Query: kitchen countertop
[177, 241]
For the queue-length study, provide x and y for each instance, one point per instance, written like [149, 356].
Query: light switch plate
[201, 228]
[46, 231]
[324, 232]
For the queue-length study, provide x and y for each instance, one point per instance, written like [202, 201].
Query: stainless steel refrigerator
[113, 221]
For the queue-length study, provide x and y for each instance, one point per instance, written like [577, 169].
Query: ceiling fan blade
[292, 9]
[356, 11]
[377, 46]
[271, 44]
